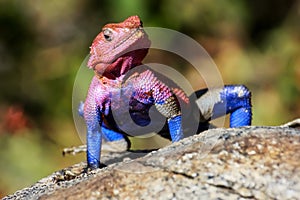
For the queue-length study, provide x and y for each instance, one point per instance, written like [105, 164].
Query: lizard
[116, 51]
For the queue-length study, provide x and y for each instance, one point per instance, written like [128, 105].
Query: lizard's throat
[121, 65]
[118, 68]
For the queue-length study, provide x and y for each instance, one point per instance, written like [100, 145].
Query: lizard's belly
[134, 118]
[132, 110]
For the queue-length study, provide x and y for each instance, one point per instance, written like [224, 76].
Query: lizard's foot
[70, 172]
[73, 172]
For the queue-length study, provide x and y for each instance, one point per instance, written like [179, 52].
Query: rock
[241, 163]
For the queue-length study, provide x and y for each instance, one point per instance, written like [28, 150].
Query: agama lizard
[116, 51]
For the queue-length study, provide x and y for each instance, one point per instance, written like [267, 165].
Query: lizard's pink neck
[122, 64]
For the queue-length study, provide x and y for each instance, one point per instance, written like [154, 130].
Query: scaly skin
[122, 93]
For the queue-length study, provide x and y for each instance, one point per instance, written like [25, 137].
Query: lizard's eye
[107, 35]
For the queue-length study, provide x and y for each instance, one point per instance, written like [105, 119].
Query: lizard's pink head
[118, 48]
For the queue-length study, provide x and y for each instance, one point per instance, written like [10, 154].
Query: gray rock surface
[241, 163]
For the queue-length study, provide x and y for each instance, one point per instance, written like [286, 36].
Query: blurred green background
[43, 43]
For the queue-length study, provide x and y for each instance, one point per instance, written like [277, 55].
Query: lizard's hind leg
[231, 99]
[238, 99]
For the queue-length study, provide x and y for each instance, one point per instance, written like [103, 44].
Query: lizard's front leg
[108, 134]
[93, 148]
[94, 106]
[171, 110]
[167, 104]
[232, 99]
